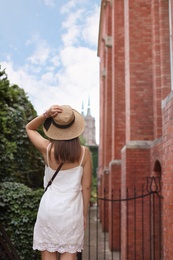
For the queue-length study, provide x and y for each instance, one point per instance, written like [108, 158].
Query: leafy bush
[18, 210]
[17, 154]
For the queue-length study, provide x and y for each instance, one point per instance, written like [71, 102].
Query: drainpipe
[170, 42]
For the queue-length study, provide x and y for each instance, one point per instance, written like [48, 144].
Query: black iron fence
[126, 227]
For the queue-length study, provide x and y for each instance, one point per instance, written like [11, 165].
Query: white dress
[60, 224]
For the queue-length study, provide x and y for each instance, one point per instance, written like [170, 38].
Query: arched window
[157, 172]
[157, 169]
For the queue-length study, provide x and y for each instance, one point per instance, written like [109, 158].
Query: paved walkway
[91, 247]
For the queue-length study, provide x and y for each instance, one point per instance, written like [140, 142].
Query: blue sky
[49, 48]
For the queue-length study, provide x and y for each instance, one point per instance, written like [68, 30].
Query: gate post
[135, 168]
[114, 208]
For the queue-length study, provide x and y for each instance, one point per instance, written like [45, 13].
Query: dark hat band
[47, 123]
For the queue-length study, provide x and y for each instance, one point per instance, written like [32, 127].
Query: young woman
[63, 208]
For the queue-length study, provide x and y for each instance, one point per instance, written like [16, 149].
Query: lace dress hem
[60, 249]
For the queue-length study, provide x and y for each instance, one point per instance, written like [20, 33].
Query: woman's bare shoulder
[87, 155]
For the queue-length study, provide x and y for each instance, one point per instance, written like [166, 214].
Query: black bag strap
[53, 177]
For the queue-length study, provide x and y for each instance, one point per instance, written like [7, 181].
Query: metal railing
[141, 223]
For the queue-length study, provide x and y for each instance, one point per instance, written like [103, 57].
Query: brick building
[136, 104]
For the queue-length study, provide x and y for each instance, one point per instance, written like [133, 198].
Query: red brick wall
[167, 178]
[108, 87]
[138, 74]
[137, 79]
[118, 119]
[139, 118]
[164, 47]
[118, 80]
[157, 122]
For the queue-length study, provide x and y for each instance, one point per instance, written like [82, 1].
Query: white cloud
[55, 60]
[81, 25]
[72, 19]
[73, 27]
[71, 37]
[90, 30]
[68, 6]
[41, 52]
[48, 78]
[68, 74]
[83, 59]
[50, 3]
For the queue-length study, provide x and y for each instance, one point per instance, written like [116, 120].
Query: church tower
[89, 132]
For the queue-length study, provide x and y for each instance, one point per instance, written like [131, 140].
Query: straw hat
[66, 125]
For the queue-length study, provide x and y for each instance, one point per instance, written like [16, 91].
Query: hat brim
[75, 130]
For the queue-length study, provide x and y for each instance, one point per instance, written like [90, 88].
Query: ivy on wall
[18, 210]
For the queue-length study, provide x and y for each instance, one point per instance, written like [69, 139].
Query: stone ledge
[115, 162]
[167, 99]
[137, 145]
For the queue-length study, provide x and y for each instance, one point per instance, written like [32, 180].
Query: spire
[89, 109]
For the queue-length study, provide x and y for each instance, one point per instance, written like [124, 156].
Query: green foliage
[82, 140]
[93, 198]
[17, 154]
[18, 209]
[94, 154]
[20, 162]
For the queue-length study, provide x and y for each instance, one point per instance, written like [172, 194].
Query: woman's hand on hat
[53, 111]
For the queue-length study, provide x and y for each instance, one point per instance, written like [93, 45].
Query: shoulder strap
[47, 153]
[53, 177]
